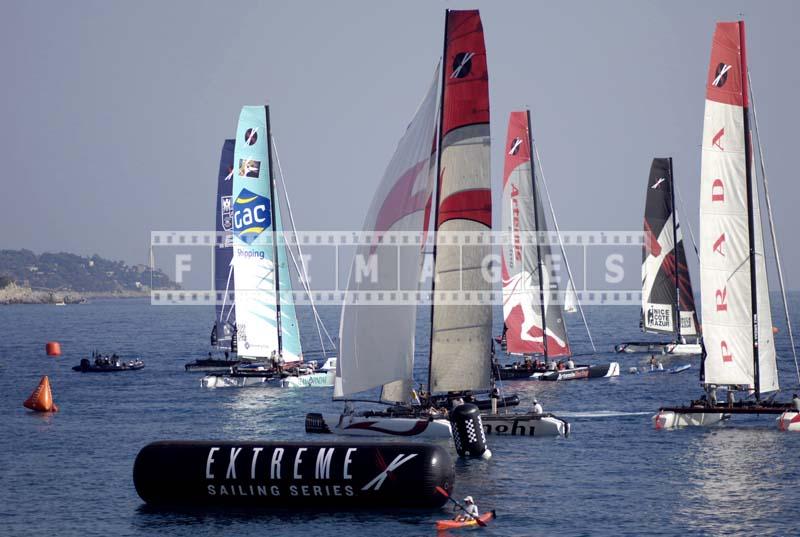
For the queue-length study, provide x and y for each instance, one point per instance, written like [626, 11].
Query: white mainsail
[728, 204]
[376, 341]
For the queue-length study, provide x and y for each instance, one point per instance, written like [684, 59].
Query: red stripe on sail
[475, 205]
[466, 78]
[726, 82]
[651, 243]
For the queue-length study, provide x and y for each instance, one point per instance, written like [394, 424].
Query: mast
[437, 193]
[539, 263]
[274, 208]
[748, 159]
[675, 252]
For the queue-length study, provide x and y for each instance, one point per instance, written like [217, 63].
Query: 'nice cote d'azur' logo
[251, 215]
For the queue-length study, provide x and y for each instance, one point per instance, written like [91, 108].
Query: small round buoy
[468, 435]
[775, 330]
[53, 348]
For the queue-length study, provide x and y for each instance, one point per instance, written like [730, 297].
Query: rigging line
[304, 272]
[772, 228]
[563, 252]
[225, 296]
[688, 223]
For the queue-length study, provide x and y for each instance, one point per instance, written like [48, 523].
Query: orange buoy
[775, 330]
[41, 400]
[53, 348]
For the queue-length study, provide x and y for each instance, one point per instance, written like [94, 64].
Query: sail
[376, 341]
[291, 347]
[253, 251]
[728, 203]
[225, 315]
[660, 288]
[527, 268]
[461, 334]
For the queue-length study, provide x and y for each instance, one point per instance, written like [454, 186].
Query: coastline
[15, 294]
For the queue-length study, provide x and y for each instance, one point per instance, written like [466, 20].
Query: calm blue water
[70, 473]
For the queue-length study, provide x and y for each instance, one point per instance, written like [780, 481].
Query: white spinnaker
[376, 342]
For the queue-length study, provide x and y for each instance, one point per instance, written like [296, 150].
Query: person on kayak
[471, 510]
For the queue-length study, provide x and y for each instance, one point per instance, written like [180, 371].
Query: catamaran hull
[660, 348]
[668, 419]
[610, 369]
[531, 425]
[306, 381]
[789, 421]
[379, 426]
[229, 381]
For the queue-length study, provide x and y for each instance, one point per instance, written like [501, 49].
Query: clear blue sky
[113, 113]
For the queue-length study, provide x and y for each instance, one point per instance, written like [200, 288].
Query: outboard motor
[468, 435]
[84, 364]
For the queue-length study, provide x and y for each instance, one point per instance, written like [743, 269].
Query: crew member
[537, 407]
[796, 402]
[570, 364]
[470, 508]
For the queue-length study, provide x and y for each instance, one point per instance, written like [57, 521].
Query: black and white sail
[667, 298]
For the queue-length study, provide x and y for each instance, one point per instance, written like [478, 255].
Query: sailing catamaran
[739, 351]
[377, 341]
[267, 331]
[222, 333]
[533, 308]
[667, 298]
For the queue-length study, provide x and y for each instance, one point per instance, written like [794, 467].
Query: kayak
[471, 523]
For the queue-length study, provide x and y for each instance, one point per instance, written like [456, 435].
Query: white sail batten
[376, 342]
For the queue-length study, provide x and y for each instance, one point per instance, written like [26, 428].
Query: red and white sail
[461, 334]
[730, 226]
[377, 340]
[527, 270]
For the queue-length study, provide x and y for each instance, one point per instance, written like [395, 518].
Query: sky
[113, 113]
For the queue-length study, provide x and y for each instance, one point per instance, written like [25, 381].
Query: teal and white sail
[261, 290]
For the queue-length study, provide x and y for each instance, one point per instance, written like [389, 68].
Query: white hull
[384, 426]
[533, 425]
[789, 421]
[227, 381]
[667, 419]
[323, 379]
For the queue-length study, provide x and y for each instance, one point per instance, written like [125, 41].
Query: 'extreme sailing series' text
[288, 471]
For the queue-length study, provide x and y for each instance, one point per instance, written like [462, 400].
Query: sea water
[70, 473]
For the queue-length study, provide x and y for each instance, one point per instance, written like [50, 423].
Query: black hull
[580, 373]
[482, 404]
[106, 368]
[213, 363]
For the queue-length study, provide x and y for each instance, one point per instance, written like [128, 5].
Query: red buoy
[41, 400]
[53, 348]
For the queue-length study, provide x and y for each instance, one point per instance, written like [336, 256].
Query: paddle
[444, 493]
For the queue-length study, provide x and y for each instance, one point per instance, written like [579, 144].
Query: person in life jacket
[470, 508]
